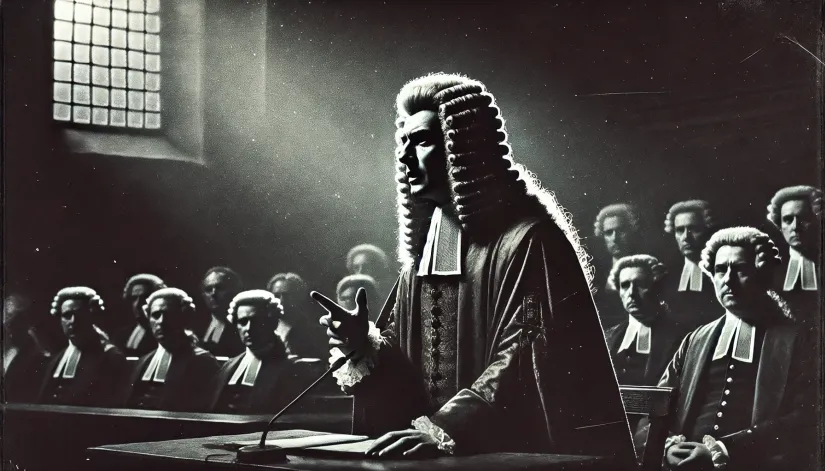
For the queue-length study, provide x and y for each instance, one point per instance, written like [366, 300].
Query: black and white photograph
[317, 235]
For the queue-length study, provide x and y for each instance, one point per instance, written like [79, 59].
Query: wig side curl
[656, 269]
[700, 207]
[756, 242]
[153, 282]
[255, 297]
[79, 293]
[186, 303]
[625, 210]
[801, 192]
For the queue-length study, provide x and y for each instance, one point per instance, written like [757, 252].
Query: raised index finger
[331, 306]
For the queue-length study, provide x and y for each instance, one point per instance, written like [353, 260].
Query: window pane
[135, 41]
[100, 96]
[63, 10]
[153, 23]
[152, 6]
[135, 60]
[137, 5]
[119, 78]
[153, 101]
[82, 33]
[63, 71]
[81, 73]
[82, 13]
[100, 76]
[100, 35]
[62, 51]
[135, 119]
[152, 62]
[118, 98]
[119, 38]
[119, 19]
[153, 82]
[152, 43]
[135, 100]
[100, 55]
[135, 80]
[118, 58]
[81, 114]
[118, 118]
[62, 92]
[63, 30]
[102, 3]
[102, 17]
[136, 21]
[81, 94]
[153, 120]
[81, 53]
[62, 112]
[100, 116]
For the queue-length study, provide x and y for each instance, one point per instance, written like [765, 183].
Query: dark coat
[22, 380]
[691, 309]
[783, 422]
[666, 334]
[121, 336]
[228, 345]
[98, 376]
[533, 371]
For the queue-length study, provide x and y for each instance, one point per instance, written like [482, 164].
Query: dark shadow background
[298, 129]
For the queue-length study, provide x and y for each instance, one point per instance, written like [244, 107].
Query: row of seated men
[177, 375]
[792, 212]
[746, 380]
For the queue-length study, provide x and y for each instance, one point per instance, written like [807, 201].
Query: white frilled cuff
[445, 443]
[674, 440]
[718, 451]
[356, 369]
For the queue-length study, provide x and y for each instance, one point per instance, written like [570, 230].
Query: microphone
[263, 453]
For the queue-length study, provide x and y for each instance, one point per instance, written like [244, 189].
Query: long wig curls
[488, 190]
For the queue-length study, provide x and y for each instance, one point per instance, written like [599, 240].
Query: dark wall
[298, 176]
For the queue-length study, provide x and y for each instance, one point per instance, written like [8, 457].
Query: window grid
[107, 63]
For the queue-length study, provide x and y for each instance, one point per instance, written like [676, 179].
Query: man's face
[797, 221]
[364, 264]
[283, 290]
[346, 298]
[424, 158]
[217, 293]
[735, 280]
[616, 235]
[256, 329]
[166, 320]
[76, 320]
[137, 298]
[690, 231]
[634, 290]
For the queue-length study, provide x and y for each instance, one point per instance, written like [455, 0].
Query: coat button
[715, 427]
[718, 414]
[730, 380]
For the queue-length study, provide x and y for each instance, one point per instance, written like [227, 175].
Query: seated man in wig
[219, 286]
[134, 337]
[298, 328]
[491, 341]
[747, 381]
[796, 211]
[90, 369]
[262, 379]
[176, 375]
[643, 344]
[617, 225]
[691, 296]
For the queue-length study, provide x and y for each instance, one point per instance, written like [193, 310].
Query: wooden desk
[41, 437]
[191, 454]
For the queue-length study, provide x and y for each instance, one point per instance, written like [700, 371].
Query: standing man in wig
[220, 285]
[617, 225]
[747, 381]
[135, 337]
[797, 211]
[90, 369]
[371, 260]
[473, 352]
[691, 296]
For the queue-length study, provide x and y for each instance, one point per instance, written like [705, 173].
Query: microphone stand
[263, 453]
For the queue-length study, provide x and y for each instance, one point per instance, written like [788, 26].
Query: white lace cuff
[674, 440]
[445, 443]
[718, 451]
[355, 370]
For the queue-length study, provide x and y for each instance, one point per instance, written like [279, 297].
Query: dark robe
[665, 338]
[279, 380]
[120, 338]
[23, 378]
[99, 374]
[186, 388]
[305, 338]
[782, 432]
[691, 309]
[228, 345]
[805, 305]
[532, 369]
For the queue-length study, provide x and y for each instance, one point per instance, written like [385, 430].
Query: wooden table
[196, 454]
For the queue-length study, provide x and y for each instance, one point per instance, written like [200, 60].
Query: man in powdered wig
[617, 225]
[490, 340]
[747, 381]
[691, 296]
[796, 211]
[134, 337]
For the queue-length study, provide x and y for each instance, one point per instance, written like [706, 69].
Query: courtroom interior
[421, 234]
